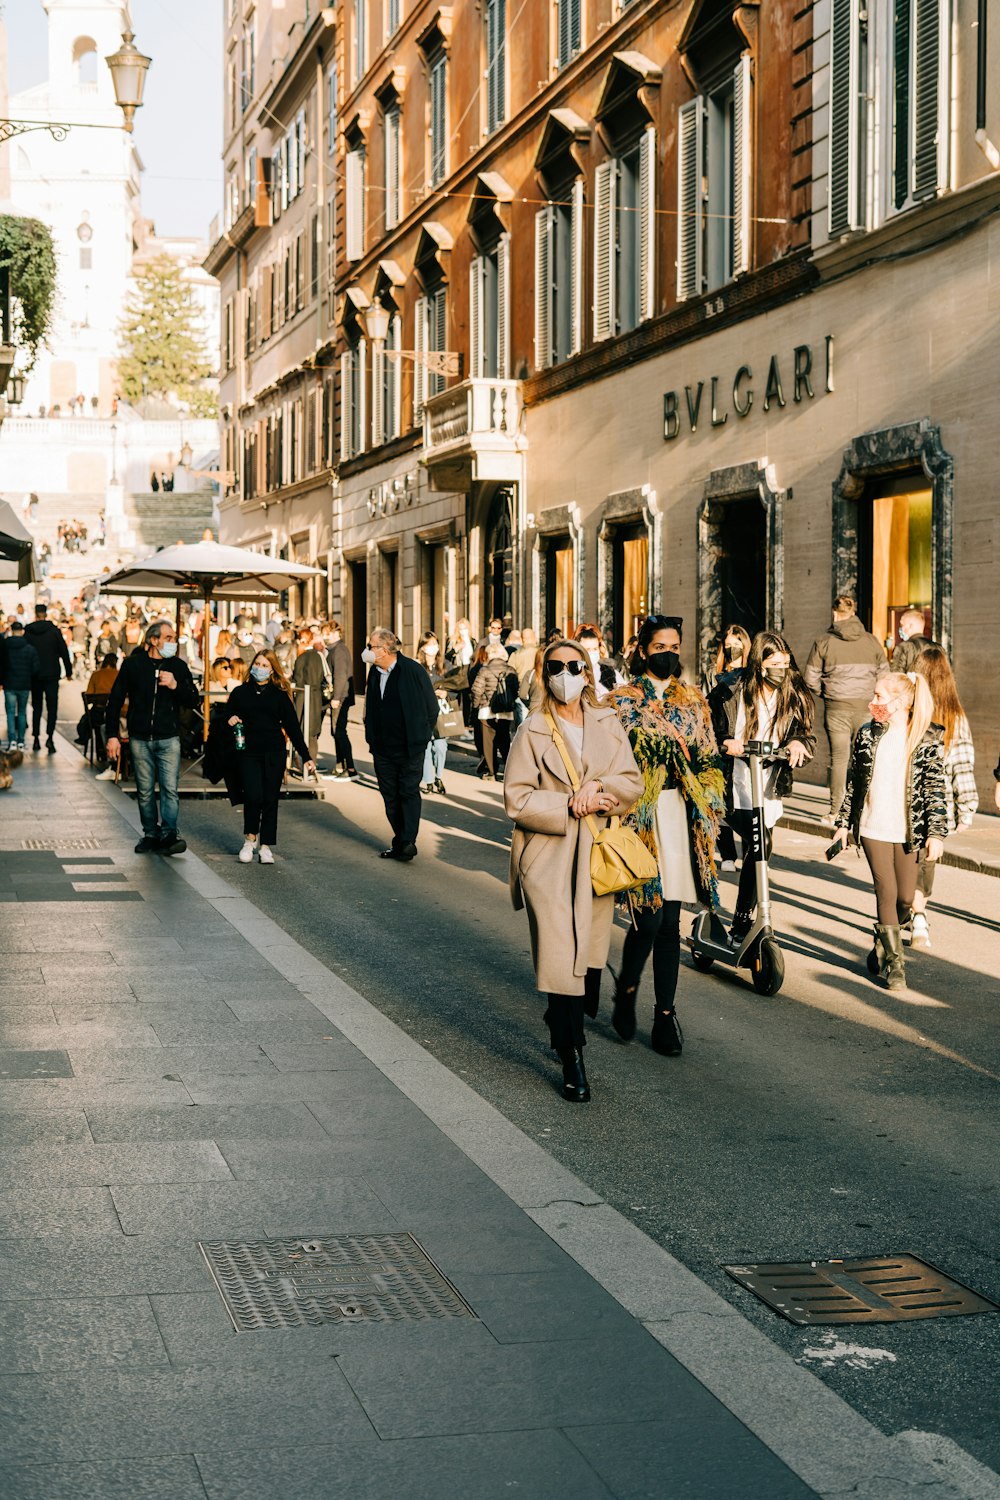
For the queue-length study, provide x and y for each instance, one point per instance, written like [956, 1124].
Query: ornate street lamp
[15, 390]
[128, 74]
[438, 361]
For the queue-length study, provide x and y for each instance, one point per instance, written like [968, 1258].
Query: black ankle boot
[575, 1086]
[667, 1038]
[623, 1015]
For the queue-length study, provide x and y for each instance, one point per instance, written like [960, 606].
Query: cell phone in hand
[835, 848]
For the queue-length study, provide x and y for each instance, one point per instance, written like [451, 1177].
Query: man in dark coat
[401, 711]
[338, 658]
[311, 671]
[19, 666]
[51, 649]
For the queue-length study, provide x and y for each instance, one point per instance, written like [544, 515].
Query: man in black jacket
[339, 659]
[51, 649]
[157, 685]
[401, 712]
[19, 667]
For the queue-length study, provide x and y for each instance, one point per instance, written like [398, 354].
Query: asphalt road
[829, 1121]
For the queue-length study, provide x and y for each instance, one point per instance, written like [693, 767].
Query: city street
[829, 1121]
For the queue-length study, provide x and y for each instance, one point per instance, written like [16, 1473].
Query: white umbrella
[208, 570]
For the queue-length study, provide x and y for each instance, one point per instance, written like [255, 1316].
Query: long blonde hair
[589, 694]
[913, 690]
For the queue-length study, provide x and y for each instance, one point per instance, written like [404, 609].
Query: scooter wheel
[768, 968]
[702, 961]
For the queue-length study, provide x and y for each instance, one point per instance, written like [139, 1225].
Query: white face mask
[566, 688]
[368, 656]
[431, 650]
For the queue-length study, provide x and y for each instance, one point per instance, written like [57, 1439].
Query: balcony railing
[478, 415]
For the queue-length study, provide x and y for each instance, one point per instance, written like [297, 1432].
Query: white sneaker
[728, 864]
[246, 853]
[266, 857]
[108, 774]
[921, 937]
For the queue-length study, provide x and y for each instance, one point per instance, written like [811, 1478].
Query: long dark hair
[794, 698]
[934, 666]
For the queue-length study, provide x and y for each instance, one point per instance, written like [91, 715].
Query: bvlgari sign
[798, 377]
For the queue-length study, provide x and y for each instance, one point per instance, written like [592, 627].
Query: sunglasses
[574, 668]
[665, 622]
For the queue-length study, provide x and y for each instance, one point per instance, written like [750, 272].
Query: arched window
[85, 58]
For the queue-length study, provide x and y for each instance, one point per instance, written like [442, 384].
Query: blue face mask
[168, 648]
[260, 674]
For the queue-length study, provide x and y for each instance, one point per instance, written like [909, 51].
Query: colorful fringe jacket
[674, 744]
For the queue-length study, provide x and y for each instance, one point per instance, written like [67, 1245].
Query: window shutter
[355, 204]
[742, 161]
[395, 419]
[361, 425]
[438, 105]
[576, 266]
[930, 99]
[503, 307]
[391, 168]
[379, 363]
[605, 194]
[690, 167]
[300, 272]
[346, 403]
[845, 87]
[647, 225]
[438, 334]
[419, 347]
[496, 83]
[477, 349]
[544, 223]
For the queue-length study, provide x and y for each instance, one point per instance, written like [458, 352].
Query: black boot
[575, 1086]
[623, 1015]
[667, 1038]
[889, 940]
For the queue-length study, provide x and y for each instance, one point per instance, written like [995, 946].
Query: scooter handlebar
[765, 750]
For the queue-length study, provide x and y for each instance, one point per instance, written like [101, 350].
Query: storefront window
[560, 594]
[900, 568]
[631, 581]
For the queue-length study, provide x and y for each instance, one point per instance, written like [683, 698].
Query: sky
[178, 130]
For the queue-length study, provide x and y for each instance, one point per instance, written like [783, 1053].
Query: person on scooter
[670, 730]
[767, 701]
[894, 806]
[730, 659]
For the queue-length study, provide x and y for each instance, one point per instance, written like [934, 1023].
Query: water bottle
[239, 736]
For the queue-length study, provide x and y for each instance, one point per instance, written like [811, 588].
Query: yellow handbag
[619, 860]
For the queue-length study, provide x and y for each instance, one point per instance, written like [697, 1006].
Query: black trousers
[565, 1015]
[742, 822]
[496, 743]
[894, 874]
[341, 739]
[262, 778]
[657, 932]
[47, 692]
[398, 774]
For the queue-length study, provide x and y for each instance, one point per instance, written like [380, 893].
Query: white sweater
[884, 814]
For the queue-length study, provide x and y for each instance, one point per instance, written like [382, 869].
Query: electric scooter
[759, 952]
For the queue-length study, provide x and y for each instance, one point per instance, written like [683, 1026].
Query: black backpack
[504, 694]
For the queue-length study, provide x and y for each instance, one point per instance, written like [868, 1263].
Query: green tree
[163, 355]
[28, 256]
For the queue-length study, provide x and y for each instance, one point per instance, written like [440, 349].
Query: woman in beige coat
[570, 927]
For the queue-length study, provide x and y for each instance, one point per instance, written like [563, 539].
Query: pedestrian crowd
[627, 782]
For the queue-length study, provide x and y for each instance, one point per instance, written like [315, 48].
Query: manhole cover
[880, 1289]
[341, 1279]
[60, 844]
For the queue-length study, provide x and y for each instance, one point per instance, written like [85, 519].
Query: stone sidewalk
[170, 1077]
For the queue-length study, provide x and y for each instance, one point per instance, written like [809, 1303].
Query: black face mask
[734, 653]
[663, 663]
[775, 676]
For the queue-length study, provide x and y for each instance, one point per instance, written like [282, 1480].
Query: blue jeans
[16, 701]
[157, 761]
[434, 758]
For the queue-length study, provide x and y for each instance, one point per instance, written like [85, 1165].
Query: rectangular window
[330, 232]
[314, 254]
[248, 64]
[278, 190]
[360, 39]
[331, 109]
[569, 31]
[249, 176]
[393, 16]
[489, 302]
[438, 78]
[496, 64]
[895, 563]
[625, 239]
[713, 185]
[392, 132]
[354, 203]
[430, 336]
[352, 399]
[300, 151]
[560, 578]
[559, 278]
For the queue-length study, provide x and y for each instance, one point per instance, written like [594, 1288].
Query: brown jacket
[570, 927]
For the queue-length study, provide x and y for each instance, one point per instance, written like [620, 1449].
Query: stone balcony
[473, 432]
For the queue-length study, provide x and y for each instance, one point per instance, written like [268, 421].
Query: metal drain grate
[60, 843]
[350, 1278]
[879, 1289]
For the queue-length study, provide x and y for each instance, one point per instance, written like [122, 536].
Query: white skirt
[673, 847]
